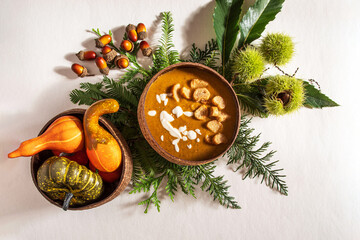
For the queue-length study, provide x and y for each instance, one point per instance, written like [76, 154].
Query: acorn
[127, 45]
[103, 40]
[145, 48]
[102, 65]
[130, 27]
[108, 53]
[88, 55]
[121, 61]
[81, 71]
[141, 31]
[132, 35]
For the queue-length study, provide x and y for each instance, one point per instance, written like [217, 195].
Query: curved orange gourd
[101, 147]
[65, 134]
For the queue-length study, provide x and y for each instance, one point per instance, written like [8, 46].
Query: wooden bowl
[111, 190]
[146, 131]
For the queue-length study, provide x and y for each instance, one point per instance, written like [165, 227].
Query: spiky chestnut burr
[108, 53]
[141, 31]
[277, 48]
[247, 64]
[86, 55]
[284, 94]
[103, 40]
[102, 65]
[145, 48]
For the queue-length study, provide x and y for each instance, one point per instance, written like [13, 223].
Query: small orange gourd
[101, 147]
[65, 134]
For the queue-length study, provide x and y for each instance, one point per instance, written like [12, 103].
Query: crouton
[222, 117]
[213, 112]
[219, 102]
[201, 94]
[196, 83]
[219, 138]
[214, 126]
[201, 113]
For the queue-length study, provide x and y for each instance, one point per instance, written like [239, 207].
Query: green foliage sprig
[151, 171]
[165, 55]
[208, 56]
[255, 161]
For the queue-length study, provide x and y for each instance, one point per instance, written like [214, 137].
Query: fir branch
[211, 60]
[90, 93]
[145, 185]
[188, 182]
[185, 177]
[255, 161]
[208, 56]
[118, 91]
[164, 56]
[137, 86]
[146, 156]
[216, 186]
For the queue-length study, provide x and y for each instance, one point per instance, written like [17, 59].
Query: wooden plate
[146, 131]
[111, 190]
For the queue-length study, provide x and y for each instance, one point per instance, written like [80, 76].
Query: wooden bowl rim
[127, 163]
[146, 131]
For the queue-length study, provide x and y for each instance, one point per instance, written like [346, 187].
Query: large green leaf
[256, 18]
[315, 99]
[226, 25]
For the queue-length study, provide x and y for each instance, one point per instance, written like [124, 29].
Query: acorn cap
[84, 73]
[105, 70]
[80, 55]
[110, 55]
[147, 52]
[142, 35]
[98, 43]
[130, 27]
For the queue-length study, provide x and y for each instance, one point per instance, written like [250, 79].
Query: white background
[319, 149]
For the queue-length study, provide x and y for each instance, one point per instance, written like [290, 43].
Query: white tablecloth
[317, 148]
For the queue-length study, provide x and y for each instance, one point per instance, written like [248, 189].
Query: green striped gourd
[67, 181]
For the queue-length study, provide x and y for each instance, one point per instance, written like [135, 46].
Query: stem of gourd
[67, 200]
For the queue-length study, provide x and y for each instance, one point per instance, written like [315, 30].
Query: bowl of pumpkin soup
[189, 114]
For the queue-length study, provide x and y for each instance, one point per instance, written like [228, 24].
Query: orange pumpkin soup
[191, 114]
